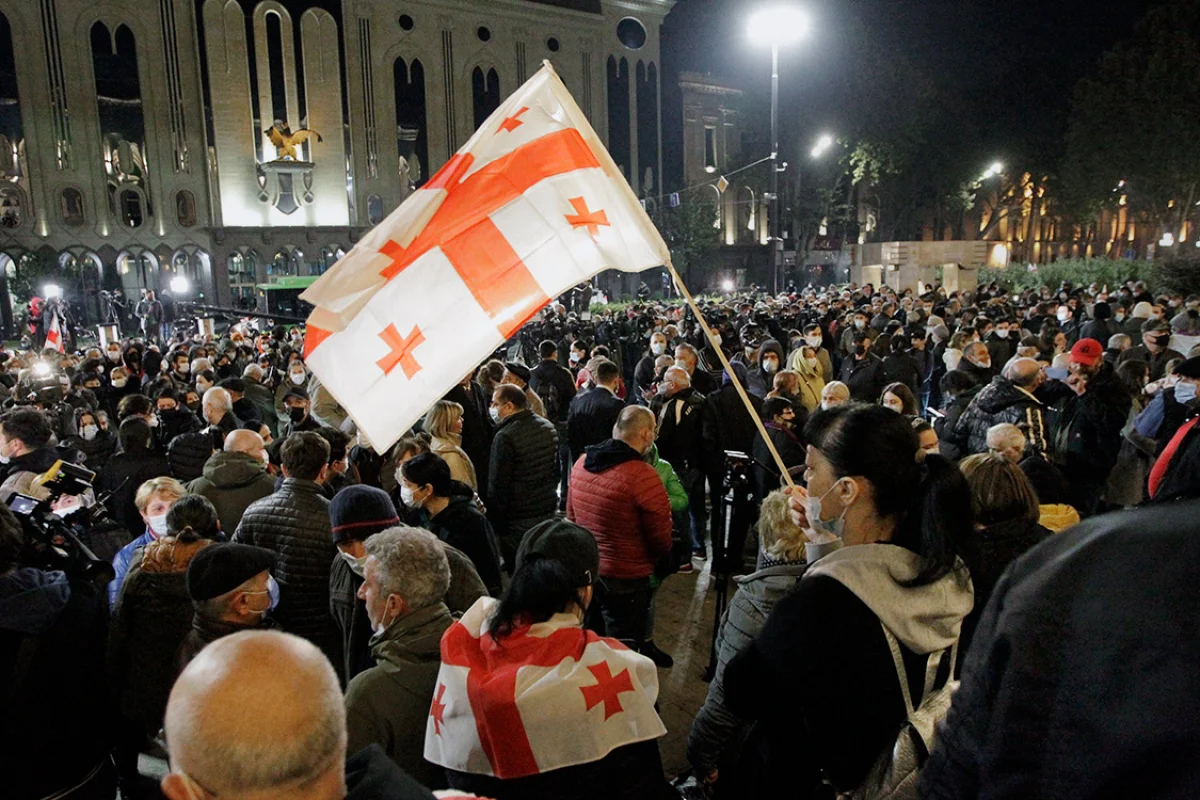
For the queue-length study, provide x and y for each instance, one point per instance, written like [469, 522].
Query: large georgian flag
[532, 205]
[547, 696]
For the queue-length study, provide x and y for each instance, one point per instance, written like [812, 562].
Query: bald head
[679, 378]
[236, 730]
[635, 427]
[1024, 372]
[247, 442]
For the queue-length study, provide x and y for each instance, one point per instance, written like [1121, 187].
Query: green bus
[282, 296]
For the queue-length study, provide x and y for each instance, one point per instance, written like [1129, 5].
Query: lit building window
[710, 149]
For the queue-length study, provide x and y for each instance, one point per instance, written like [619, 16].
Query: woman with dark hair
[92, 438]
[899, 398]
[898, 586]
[425, 483]
[531, 738]
[779, 418]
[152, 617]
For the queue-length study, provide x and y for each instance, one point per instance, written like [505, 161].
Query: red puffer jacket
[622, 501]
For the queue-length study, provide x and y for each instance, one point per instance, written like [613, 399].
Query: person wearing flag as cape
[529, 704]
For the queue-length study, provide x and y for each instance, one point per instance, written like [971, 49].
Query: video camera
[52, 543]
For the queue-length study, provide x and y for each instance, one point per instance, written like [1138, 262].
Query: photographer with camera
[55, 712]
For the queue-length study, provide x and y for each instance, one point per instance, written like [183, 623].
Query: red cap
[1087, 352]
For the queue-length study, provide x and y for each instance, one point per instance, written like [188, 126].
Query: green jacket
[675, 491]
[388, 704]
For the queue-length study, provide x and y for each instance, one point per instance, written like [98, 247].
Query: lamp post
[776, 26]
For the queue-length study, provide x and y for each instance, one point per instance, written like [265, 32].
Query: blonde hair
[778, 536]
[439, 420]
[1000, 492]
[166, 486]
[786, 381]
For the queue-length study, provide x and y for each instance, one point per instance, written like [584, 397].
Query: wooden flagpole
[741, 390]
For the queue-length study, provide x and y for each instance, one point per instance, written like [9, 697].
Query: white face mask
[114, 355]
[658, 348]
[770, 366]
[297, 378]
[158, 524]
[203, 387]
[406, 496]
[118, 383]
[813, 341]
[266, 458]
[811, 363]
[357, 565]
[90, 431]
[153, 421]
[1002, 333]
[495, 412]
[717, 339]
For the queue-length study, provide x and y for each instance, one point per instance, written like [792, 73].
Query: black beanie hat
[360, 511]
[224, 566]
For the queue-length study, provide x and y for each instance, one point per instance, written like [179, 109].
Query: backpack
[895, 774]
[551, 399]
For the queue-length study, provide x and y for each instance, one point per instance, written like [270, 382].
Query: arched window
[284, 264]
[485, 93]
[619, 144]
[12, 134]
[131, 209]
[185, 208]
[747, 216]
[411, 141]
[70, 204]
[243, 274]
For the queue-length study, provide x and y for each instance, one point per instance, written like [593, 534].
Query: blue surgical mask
[812, 509]
[1185, 392]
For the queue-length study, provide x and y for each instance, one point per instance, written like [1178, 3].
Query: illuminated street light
[52, 291]
[41, 369]
[992, 171]
[179, 285]
[823, 144]
[776, 26]
[727, 285]
[1167, 240]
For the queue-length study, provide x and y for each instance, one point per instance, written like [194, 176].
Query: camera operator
[25, 450]
[55, 713]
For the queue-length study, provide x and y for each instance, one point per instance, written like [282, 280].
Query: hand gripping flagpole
[741, 390]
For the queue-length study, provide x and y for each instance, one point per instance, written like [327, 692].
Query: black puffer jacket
[294, 524]
[523, 475]
[591, 418]
[96, 452]
[999, 402]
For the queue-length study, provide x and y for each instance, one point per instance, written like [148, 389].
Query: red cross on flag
[54, 339]
[531, 206]
[552, 695]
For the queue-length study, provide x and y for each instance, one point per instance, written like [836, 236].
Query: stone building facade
[145, 139]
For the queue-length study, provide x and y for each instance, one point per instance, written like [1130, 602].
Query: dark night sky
[1010, 65]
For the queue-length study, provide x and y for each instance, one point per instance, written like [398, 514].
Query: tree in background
[1134, 134]
[692, 234]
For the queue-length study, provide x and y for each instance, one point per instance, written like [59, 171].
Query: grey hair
[201, 364]
[1006, 434]
[1119, 340]
[216, 397]
[253, 371]
[412, 563]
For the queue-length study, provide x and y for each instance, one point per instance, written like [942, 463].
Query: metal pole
[776, 250]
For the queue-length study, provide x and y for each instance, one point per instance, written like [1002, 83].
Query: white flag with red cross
[531, 206]
[54, 338]
[548, 696]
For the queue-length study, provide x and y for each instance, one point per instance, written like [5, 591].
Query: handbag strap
[932, 666]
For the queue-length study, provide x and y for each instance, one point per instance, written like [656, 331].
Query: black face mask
[297, 414]
[860, 349]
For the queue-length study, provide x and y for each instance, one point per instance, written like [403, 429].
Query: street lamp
[776, 26]
[179, 286]
[823, 144]
[52, 291]
[995, 169]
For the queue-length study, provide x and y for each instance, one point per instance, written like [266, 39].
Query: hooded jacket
[389, 704]
[824, 662]
[617, 496]
[761, 382]
[58, 724]
[998, 402]
[231, 482]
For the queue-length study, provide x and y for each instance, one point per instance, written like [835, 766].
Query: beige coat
[461, 468]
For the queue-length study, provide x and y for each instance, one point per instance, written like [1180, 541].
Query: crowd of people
[977, 486]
